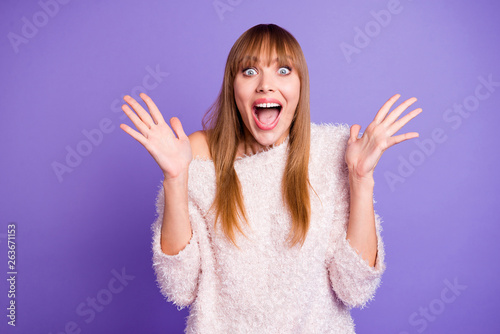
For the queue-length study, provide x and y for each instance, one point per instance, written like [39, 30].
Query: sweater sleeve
[353, 279]
[176, 275]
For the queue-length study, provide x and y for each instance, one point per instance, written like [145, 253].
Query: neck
[249, 146]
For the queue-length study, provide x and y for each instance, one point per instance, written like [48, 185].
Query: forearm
[361, 230]
[176, 227]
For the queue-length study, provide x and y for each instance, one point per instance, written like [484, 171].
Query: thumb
[177, 126]
[354, 132]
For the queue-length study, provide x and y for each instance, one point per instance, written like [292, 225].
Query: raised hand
[362, 154]
[172, 154]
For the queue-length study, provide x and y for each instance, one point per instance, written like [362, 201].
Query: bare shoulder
[199, 144]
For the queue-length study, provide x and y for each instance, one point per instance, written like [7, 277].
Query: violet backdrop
[81, 191]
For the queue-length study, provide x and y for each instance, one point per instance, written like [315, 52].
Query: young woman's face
[266, 97]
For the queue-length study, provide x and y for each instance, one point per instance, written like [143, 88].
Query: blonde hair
[226, 130]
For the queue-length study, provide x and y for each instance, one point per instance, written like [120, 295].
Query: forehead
[264, 59]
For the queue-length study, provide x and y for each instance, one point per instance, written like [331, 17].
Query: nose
[266, 83]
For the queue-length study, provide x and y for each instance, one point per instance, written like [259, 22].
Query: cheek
[240, 91]
[238, 95]
[241, 105]
[243, 95]
[293, 92]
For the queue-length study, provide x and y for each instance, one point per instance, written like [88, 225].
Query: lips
[266, 113]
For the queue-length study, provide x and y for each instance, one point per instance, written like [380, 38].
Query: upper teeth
[267, 105]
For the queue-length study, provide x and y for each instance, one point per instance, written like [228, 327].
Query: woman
[300, 259]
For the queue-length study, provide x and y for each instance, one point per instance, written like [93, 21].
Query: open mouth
[267, 113]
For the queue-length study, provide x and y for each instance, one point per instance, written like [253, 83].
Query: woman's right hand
[172, 154]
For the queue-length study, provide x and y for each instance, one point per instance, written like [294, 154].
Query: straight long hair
[225, 131]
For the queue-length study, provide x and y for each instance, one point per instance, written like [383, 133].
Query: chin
[268, 139]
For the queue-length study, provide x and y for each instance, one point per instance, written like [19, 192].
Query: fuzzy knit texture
[266, 287]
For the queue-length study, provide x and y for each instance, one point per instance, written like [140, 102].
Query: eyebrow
[255, 59]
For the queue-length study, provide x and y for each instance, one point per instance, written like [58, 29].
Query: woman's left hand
[362, 154]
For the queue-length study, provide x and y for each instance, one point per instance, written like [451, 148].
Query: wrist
[365, 181]
[180, 179]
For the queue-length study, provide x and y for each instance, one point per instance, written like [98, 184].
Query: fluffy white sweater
[267, 287]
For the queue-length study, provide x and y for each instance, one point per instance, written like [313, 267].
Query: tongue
[267, 115]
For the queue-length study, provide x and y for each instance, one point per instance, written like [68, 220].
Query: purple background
[68, 76]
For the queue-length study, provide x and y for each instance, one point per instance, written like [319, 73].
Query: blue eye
[284, 70]
[249, 71]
